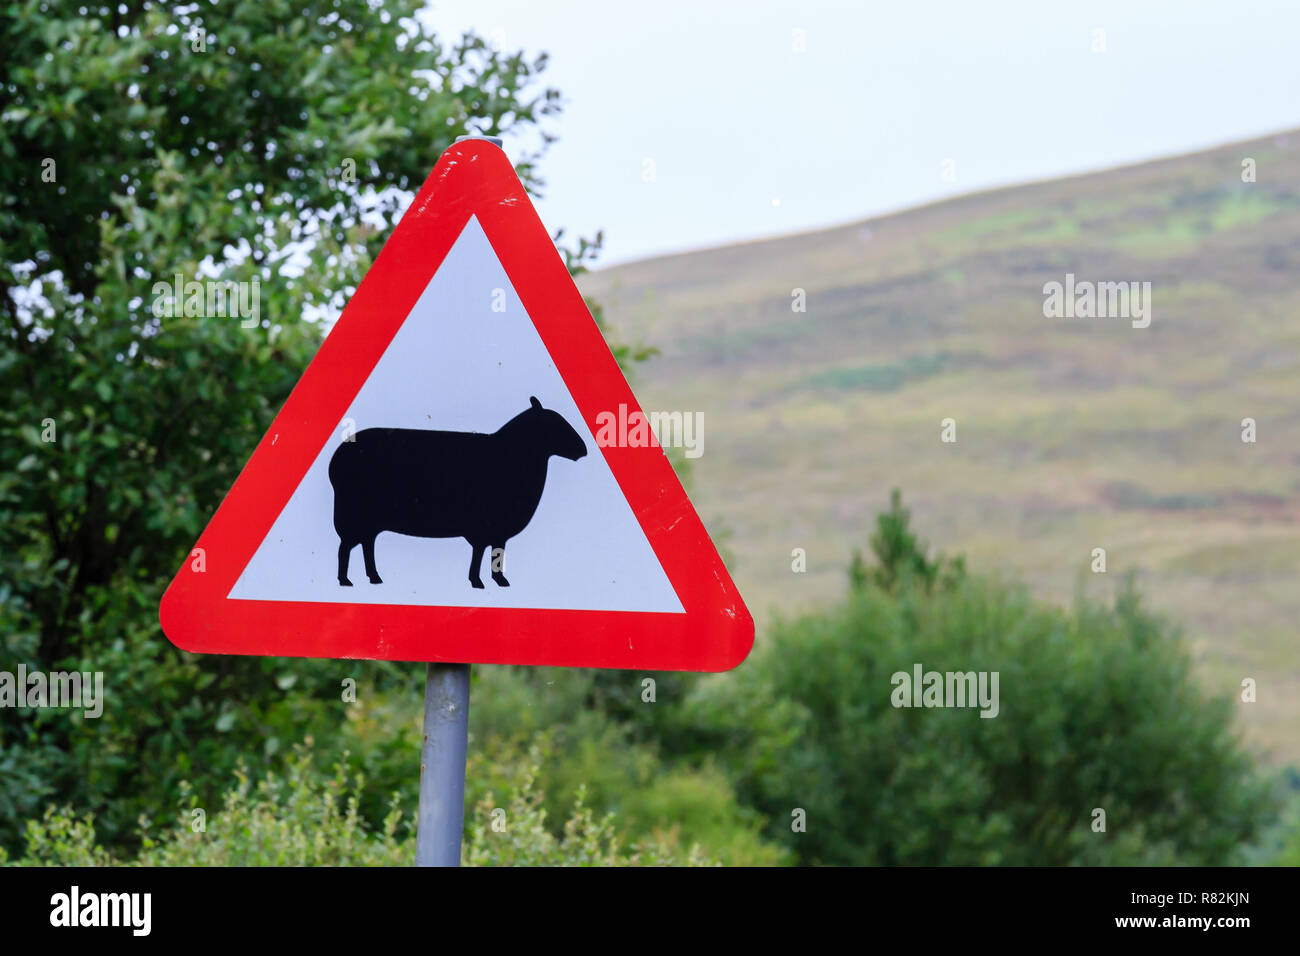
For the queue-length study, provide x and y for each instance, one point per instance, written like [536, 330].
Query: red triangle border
[474, 177]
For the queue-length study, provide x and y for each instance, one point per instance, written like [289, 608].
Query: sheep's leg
[499, 565]
[345, 550]
[368, 551]
[474, 563]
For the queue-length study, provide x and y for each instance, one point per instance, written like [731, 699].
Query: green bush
[1279, 845]
[523, 838]
[599, 744]
[303, 818]
[1098, 709]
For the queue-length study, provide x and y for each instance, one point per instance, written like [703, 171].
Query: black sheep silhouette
[484, 488]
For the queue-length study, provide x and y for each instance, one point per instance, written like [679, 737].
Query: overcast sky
[743, 135]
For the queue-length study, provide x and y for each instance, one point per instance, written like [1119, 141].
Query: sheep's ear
[536, 404]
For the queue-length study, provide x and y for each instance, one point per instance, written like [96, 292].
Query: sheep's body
[440, 484]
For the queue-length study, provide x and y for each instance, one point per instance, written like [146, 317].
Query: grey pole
[442, 765]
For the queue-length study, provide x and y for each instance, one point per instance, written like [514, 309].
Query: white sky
[750, 139]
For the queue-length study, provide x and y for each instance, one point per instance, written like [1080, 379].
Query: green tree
[1098, 709]
[139, 141]
[901, 555]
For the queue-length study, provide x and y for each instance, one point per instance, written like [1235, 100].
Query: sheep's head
[556, 436]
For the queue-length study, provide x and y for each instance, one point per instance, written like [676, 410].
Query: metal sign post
[442, 765]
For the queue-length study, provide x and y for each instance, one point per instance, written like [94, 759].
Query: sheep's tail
[340, 463]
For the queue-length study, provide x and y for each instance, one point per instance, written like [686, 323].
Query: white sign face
[467, 359]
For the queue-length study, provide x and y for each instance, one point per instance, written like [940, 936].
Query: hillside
[1072, 434]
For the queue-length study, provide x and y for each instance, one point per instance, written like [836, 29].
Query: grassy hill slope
[1072, 434]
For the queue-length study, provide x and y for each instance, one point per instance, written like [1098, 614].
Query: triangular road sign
[445, 434]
